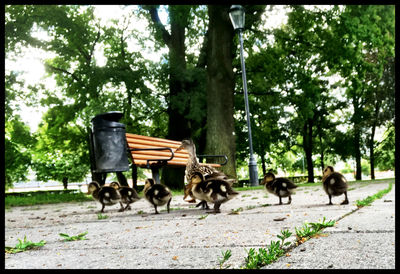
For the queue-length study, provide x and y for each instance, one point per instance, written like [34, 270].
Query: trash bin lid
[113, 116]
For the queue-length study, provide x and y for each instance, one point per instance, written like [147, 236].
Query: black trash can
[109, 143]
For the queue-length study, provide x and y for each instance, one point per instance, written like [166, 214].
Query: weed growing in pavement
[225, 256]
[237, 210]
[311, 229]
[250, 207]
[101, 216]
[23, 246]
[78, 237]
[255, 260]
[370, 199]
[202, 217]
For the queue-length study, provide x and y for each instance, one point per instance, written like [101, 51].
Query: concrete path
[189, 238]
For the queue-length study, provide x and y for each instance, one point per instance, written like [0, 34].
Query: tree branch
[158, 25]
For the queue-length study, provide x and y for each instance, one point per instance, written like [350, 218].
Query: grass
[45, 198]
[24, 246]
[367, 201]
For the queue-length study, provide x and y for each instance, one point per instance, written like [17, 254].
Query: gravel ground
[189, 238]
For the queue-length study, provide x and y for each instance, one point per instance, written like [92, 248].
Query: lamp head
[236, 14]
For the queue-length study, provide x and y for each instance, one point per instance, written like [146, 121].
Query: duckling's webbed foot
[102, 209]
[122, 207]
[346, 201]
[280, 200]
[290, 200]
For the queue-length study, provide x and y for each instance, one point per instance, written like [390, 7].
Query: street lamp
[236, 14]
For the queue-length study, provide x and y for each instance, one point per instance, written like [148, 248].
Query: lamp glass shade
[236, 14]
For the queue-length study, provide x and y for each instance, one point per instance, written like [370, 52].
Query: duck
[212, 189]
[106, 195]
[335, 184]
[128, 195]
[157, 194]
[281, 187]
[193, 166]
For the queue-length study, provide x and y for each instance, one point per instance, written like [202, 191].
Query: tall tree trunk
[371, 152]
[178, 125]
[220, 87]
[308, 146]
[357, 153]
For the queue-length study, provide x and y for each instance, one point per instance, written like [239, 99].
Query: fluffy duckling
[106, 195]
[281, 187]
[128, 195]
[334, 184]
[157, 194]
[211, 189]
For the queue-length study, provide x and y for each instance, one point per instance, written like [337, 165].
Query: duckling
[194, 166]
[106, 195]
[334, 184]
[128, 195]
[281, 187]
[157, 194]
[212, 189]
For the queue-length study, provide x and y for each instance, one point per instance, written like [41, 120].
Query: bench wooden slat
[152, 156]
[161, 153]
[143, 163]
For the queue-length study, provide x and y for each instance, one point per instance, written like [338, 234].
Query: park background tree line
[195, 89]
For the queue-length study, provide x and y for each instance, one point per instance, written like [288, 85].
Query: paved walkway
[189, 238]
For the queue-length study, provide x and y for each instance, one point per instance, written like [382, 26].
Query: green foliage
[78, 237]
[385, 150]
[24, 245]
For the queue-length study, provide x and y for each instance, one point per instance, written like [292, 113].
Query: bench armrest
[219, 156]
[158, 148]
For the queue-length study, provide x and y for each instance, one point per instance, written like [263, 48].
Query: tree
[363, 39]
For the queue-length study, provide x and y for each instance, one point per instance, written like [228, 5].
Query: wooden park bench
[154, 153]
[110, 148]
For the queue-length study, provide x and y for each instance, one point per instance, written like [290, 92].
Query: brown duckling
[128, 195]
[281, 187]
[157, 194]
[106, 195]
[212, 189]
[334, 184]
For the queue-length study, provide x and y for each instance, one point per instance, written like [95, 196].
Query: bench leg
[134, 177]
[156, 174]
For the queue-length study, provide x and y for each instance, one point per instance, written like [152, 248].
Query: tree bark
[308, 146]
[220, 87]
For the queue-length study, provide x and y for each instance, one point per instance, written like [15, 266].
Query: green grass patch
[367, 201]
[45, 198]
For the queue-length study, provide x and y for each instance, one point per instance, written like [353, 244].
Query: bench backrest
[140, 157]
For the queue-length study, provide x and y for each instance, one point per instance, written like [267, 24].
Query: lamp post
[236, 14]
